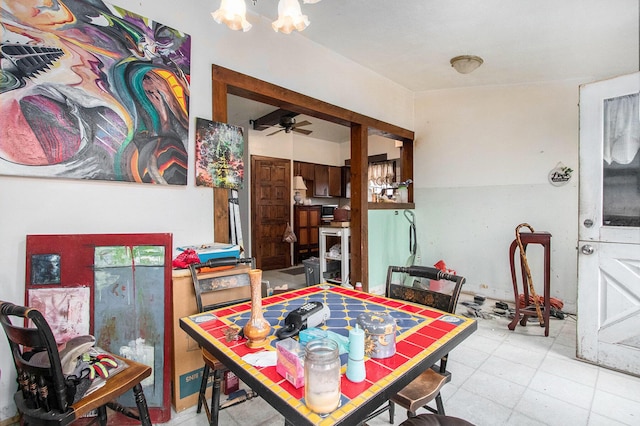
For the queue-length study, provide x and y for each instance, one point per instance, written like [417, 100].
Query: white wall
[482, 159]
[41, 206]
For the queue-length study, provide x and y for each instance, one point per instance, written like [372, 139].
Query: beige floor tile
[621, 409]
[563, 389]
[547, 408]
[502, 391]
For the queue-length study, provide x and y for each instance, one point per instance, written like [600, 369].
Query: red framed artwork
[115, 287]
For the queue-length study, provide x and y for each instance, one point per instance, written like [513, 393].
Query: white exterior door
[609, 224]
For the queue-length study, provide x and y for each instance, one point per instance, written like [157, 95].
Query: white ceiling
[521, 41]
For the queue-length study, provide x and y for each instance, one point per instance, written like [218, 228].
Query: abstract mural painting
[219, 151]
[89, 90]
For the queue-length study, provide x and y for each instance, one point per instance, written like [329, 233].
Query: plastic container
[380, 334]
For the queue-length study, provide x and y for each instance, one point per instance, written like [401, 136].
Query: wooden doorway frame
[226, 81]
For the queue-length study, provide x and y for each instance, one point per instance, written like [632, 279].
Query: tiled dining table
[423, 336]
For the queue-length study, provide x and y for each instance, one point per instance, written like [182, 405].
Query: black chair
[442, 295]
[435, 420]
[212, 366]
[45, 396]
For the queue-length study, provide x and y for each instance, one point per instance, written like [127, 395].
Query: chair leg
[102, 415]
[141, 403]
[439, 404]
[215, 398]
[392, 411]
[203, 387]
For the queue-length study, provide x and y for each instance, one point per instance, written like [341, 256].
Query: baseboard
[15, 420]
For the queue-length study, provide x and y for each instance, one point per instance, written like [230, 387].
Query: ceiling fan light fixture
[232, 13]
[290, 17]
[466, 63]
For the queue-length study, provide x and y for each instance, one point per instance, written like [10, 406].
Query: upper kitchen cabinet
[327, 181]
[335, 181]
[306, 170]
[321, 180]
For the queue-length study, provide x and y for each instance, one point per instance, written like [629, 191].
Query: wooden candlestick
[257, 328]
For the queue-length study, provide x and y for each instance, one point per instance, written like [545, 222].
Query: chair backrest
[42, 383]
[433, 294]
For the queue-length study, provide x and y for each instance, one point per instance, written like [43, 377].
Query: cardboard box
[187, 357]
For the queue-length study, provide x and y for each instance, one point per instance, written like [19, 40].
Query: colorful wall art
[219, 151]
[89, 90]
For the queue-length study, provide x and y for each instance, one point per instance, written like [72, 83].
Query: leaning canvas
[89, 90]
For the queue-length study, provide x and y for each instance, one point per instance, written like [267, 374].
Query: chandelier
[233, 13]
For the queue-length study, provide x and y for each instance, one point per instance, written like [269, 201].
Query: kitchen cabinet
[346, 180]
[306, 170]
[335, 181]
[321, 180]
[327, 181]
[306, 224]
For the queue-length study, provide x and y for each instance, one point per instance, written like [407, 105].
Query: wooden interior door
[270, 211]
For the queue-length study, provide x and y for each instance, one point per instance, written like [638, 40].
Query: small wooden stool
[522, 314]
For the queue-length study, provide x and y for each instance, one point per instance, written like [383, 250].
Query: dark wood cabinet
[306, 225]
[306, 170]
[346, 180]
[321, 180]
[327, 181]
[335, 181]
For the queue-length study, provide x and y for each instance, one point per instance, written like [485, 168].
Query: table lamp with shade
[298, 185]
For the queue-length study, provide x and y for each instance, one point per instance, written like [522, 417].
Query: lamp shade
[233, 13]
[290, 17]
[466, 63]
[298, 184]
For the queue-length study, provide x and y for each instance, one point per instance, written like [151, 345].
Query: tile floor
[503, 377]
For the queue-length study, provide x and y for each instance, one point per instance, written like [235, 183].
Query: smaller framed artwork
[45, 269]
[66, 309]
[219, 155]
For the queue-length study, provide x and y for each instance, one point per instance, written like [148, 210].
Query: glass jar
[322, 376]
[403, 194]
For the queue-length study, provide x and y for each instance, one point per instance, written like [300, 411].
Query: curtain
[621, 129]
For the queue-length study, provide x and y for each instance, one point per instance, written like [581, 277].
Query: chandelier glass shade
[290, 17]
[232, 13]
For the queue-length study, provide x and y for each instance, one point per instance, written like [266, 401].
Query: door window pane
[621, 165]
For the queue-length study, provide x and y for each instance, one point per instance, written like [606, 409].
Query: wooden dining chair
[436, 289]
[212, 366]
[45, 396]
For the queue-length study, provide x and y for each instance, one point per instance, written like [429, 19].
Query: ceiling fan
[288, 125]
[282, 119]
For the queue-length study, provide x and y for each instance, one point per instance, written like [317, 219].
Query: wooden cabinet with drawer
[306, 225]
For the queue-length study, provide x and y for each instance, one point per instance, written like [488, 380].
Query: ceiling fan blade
[277, 131]
[303, 131]
[302, 123]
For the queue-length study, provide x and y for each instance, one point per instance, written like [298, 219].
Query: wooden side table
[522, 314]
